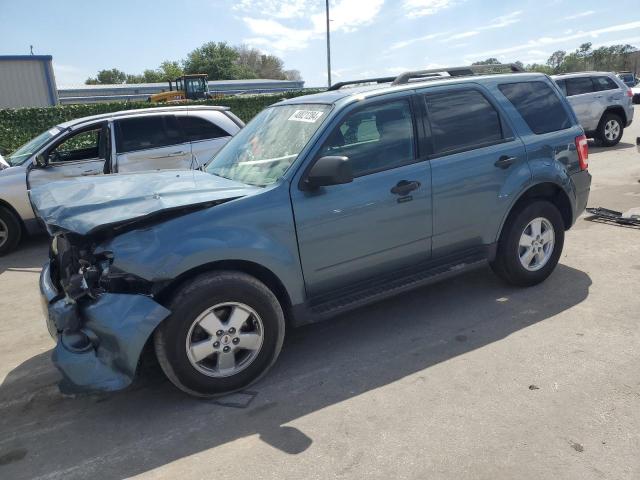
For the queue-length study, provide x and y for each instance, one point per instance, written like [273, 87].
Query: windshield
[25, 151]
[263, 150]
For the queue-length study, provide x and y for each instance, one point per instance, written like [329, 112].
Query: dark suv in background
[321, 204]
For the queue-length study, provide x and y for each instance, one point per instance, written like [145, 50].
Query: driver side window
[375, 138]
[81, 146]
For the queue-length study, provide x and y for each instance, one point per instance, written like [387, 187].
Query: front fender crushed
[119, 325]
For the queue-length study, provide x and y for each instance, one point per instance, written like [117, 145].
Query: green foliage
[488, 61]
[108, 76]
[609, 59]
[219, 60]
[20, 125]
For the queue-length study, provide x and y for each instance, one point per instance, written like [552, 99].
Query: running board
[381, 290]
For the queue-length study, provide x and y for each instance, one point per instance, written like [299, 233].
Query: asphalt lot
[465, 379]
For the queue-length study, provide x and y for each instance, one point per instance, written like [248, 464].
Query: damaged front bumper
[99, 341]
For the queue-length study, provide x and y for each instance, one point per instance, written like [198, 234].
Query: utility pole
[328, 48]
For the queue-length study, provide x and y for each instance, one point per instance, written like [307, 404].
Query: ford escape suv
[320, 204]
[601, 101]
[178, 137]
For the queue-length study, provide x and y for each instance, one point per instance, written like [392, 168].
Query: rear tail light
[582, 147]
[629, 93]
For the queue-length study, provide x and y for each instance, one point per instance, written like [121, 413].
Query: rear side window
[579, 86]
[196, 129]
[538, 104]
[144, 133]
[604, 83]
[462, 120]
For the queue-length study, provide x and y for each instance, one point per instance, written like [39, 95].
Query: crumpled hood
[85, 205]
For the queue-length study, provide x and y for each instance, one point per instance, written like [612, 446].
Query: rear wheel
[610, 129]
[225, 331]
[10, 231]
[530, 244]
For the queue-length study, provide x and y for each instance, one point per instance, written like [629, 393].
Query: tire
[203, 374]
[508, 264]
[10, 231]
[610, 129]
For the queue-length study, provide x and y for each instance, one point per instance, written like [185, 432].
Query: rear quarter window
[604, 83]
[538, 104]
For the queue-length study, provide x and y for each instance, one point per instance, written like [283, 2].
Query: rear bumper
[98, 342]
[582, 185]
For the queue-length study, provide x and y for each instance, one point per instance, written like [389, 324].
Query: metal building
[27, 81]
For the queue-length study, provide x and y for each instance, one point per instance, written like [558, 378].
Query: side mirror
[329, 171]
[41, 160]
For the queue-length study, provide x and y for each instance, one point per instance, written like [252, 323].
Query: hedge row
[17, 126]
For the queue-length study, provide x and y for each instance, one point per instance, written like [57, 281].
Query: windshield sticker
[309, 116]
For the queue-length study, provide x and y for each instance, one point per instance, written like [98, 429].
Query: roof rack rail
[339, 85]
[456, 71]
[406, 77]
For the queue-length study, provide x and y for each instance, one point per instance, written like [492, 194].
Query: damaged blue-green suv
[320, 204]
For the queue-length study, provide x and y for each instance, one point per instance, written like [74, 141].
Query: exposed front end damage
[100, 318]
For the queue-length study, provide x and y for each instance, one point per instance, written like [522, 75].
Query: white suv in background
[602, 102]
[182, 137]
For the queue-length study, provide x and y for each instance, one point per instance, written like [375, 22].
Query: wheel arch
[617, 110]
[254, 269]
[543, 191]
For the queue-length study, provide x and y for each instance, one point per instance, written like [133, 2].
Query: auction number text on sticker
[309, 116]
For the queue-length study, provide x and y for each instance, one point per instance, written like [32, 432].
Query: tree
[556, 59]
[170, 70]
[218, 60]
[293, 75]
[111, 76]
[488, 61]
[537, 67]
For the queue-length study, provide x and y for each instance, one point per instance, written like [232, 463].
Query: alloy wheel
[536, 244]
[224, 339]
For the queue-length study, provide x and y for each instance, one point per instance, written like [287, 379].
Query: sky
[368, 37]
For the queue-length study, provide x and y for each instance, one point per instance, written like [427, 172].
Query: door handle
[404, 187]
[505, 161]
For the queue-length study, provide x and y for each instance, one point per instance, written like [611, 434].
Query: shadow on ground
[596, 146]
[31, 253]
[46, 435]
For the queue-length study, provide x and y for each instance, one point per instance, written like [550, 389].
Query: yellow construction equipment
[187, 87]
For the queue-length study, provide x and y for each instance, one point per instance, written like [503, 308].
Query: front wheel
[530, 245]
[10, 231]
[225, 331]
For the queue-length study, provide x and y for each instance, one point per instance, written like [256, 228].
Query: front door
[81, 153]
[379, 223]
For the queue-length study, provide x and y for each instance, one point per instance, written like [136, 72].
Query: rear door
[475, 156]
[80, 153]
[205, 135]
[151, 142]
[585, 101]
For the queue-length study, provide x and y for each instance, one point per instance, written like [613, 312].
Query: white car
[177, 137]
[3, 162]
